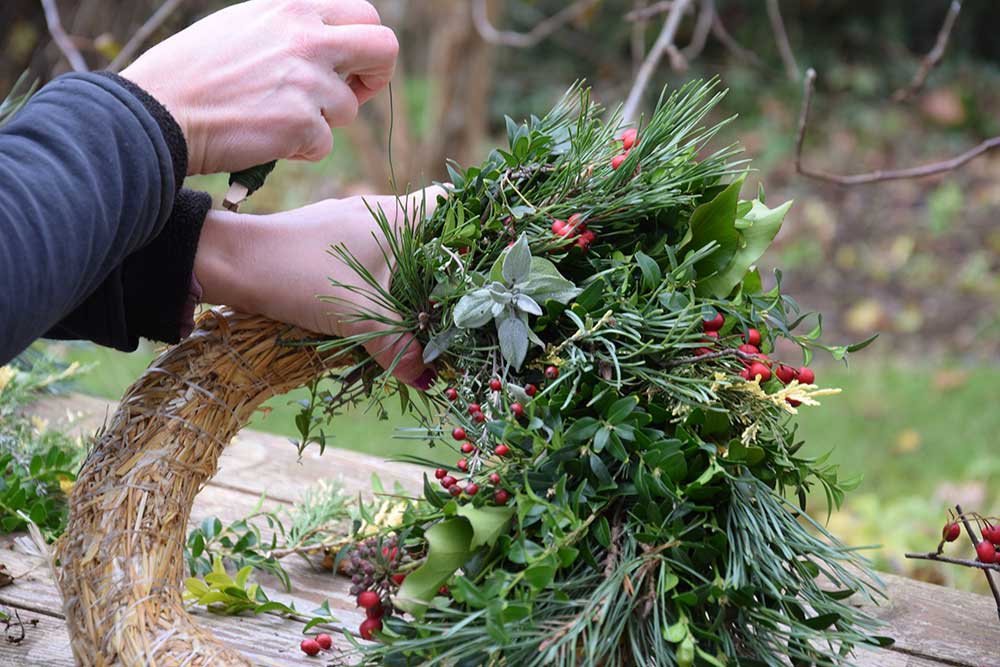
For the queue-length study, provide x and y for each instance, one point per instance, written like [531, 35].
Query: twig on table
[151, 25]
[933, 57]
[60, 37]
[930, 555]
[488, 32]
[975, 543]
[781, 38]
[663, 43]
[879, 175]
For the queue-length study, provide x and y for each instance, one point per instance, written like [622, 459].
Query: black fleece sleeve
[95, 240]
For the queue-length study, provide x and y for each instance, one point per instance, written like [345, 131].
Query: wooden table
[933, 626]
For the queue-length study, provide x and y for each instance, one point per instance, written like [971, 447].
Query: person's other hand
[267, 79]
[277, 265]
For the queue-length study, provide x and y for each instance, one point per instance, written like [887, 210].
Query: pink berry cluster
[760, 364]
[480, 465]
[629, 138]
[574, 228]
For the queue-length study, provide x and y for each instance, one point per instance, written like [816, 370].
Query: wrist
[226, 262]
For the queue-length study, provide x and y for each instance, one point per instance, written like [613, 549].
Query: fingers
[366, 53]
[340, 12]
[410, 367]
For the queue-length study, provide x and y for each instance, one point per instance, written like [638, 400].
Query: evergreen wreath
[629, 488]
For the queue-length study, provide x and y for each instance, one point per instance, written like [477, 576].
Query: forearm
[86, 179]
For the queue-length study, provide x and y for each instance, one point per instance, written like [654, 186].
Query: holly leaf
[448, 548]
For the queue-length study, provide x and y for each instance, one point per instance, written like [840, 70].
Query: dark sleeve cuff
[158, 281]
[172, 134]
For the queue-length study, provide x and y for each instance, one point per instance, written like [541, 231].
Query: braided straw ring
[120, 563]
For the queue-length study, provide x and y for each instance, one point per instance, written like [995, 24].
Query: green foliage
[16, 98]
[37, 464]
[646, 482]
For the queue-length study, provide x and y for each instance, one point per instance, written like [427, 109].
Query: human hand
[277, 265]
[262, 80]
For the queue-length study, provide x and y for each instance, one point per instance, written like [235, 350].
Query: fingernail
[426, 379]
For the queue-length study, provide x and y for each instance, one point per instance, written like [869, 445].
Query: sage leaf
[517, 261]
[474, 309]
[513, 337]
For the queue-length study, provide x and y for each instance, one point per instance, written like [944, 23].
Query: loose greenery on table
[628, 488]
[38, 464]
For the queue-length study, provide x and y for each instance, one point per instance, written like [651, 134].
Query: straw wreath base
[120, 564]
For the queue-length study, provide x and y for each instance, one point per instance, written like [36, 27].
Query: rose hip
[951, 531]
[714, 324]
[309, 647]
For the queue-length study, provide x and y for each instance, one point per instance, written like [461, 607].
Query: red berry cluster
[988, 551]
[760, 365]
[374, 568]
[629, 138]
[314, 646]
[574, 227]
[474, 458]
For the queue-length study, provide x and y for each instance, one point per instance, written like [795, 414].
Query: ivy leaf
[753, 241]
[474, 309]
[447, 550]
[488, 523]
[512, 333]
[714, 221]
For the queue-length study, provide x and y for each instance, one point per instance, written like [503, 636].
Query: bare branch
[637, 40]
[60, 37]
[734, 47]
[933, 57]
[528, 39]
[641, 14]
[878, 175]
[702, 28]
[781, 37]
[663, 43]
[152, 24]
[954, 561]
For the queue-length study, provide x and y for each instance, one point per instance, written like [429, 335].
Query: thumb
[406, 352]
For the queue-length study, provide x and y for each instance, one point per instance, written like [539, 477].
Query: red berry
[551, 372]
[368, 599]
[369, 627]
[617, 160]
[472, 489]
[748, 349]
[375, 612]
[474, 408]
[443, 590]
[531, 390]
[785, 373]
[463, 464]
[495, 384]
[309, 646]
[702, 351]
[575, 222]
[501, 497]
[458, 433]
[478, 417]
[451, 393]
[455, 490]
[986, 552]
[764, 359]
[752, 337]
[951, 531]
[517, 410]
[495, 478]
[467, 448]
[630, 138]
[806, 376]
[792, 402]
[745, 374]
[757, 368]
[559, 227]
[502, 450]
[991, 533]
[448, 481]
[714, 335]
[584, 241]
[440, 473]
[324, 641]
[398, 578]
[714, 324]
